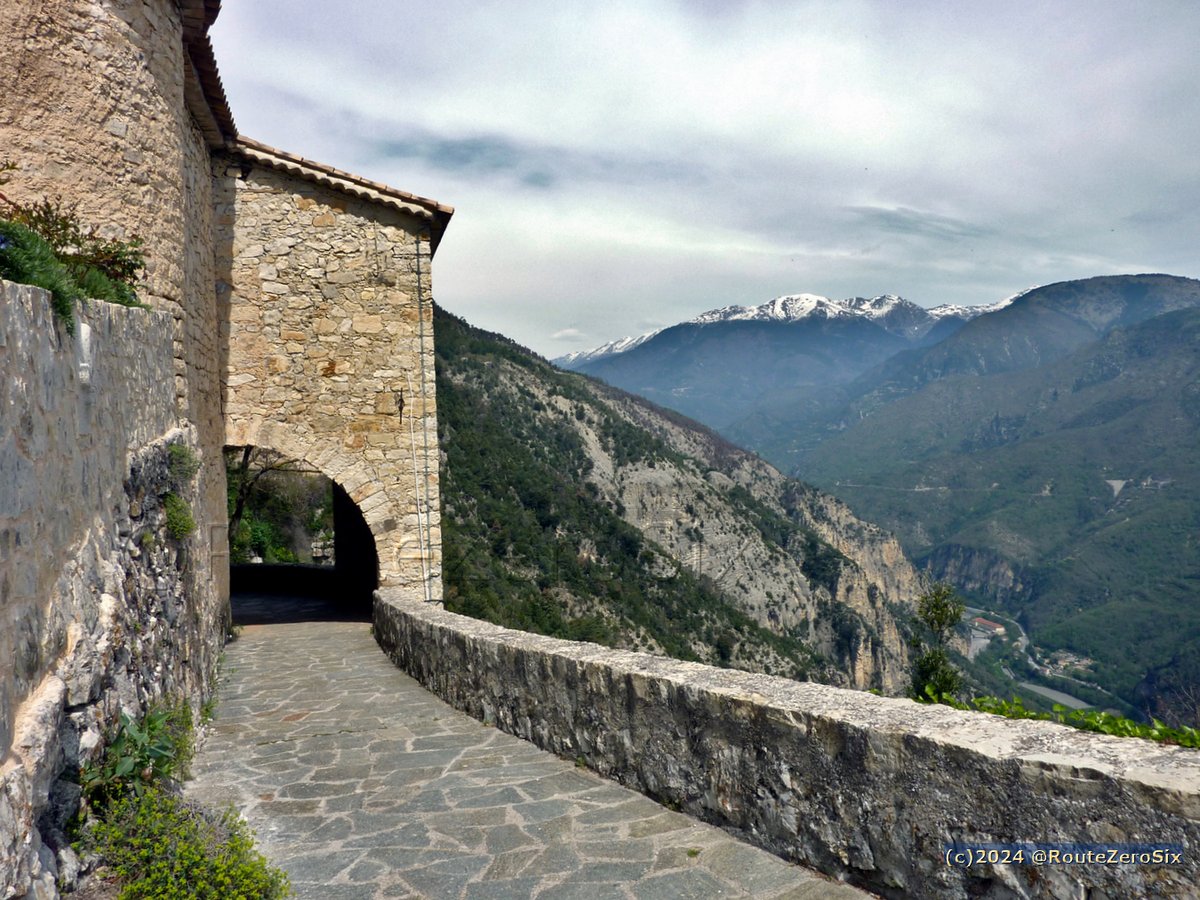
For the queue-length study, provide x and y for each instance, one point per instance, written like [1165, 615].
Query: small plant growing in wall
[180, 522]
[182, 464]
[140, 754]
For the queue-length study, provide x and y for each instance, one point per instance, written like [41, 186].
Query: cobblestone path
[361, 784]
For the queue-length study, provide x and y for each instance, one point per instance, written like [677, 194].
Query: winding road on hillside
[361, 784]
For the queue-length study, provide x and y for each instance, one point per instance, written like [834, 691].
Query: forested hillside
[1044, 459]
[576, 510]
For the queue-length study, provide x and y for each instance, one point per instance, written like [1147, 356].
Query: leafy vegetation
[45, 244]
[934, 676]
[180, 522]
[937, 680]
[276, 508]
[1173, 689]
[1097, 721]
[160, 845]
[140, 754]
[155, 842]
[182, 463]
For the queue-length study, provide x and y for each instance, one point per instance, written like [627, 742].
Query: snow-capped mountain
[790, 308]
[620, 345]
[894, 314]
[954, 310]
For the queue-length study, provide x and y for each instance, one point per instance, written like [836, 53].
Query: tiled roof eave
[307, 168]
[437, 214]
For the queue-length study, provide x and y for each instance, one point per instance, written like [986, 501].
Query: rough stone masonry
[100, 612]
[329, 334]
[115, 109]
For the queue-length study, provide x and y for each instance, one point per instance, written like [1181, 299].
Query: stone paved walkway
[361, 784]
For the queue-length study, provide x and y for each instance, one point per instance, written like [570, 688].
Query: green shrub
[162, 846]
[140, 754]
[27, 259]
[45, 244]
[179, 516]
[158, 844]
[183, 464]
[934, 677]
[1090, 720]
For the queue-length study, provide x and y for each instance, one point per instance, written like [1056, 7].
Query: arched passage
[328, 341]
[394, 510]
[300, 546]
[356, 561]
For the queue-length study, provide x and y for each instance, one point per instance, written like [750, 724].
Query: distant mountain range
[725, 363]
[894, 314]
[1041, 453]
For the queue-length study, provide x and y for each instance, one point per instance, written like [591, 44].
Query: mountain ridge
[1038, 455]
[894, 312]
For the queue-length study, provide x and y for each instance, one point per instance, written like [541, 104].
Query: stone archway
[371, 518]
[277, 498]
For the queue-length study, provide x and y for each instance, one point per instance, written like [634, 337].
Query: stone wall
[94, 111]
[865, 788]
[330, 349]
[97, 611]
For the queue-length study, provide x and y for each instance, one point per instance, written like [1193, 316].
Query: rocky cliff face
[828, 563]
[795, 561]
[983, 572]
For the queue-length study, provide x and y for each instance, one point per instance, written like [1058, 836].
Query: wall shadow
[267, 593]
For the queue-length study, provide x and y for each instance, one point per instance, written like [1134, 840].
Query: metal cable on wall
[427, 536]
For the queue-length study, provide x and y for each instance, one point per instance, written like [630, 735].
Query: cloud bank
[618, 167]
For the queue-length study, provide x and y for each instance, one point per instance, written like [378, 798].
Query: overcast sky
[620, 166]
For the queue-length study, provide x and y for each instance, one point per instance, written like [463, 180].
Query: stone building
[323, 279]
[290, 309]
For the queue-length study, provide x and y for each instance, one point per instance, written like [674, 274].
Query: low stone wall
[97, 610]
[865, 788]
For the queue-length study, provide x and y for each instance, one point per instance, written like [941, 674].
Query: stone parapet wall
[329, 330]
[97, 612]
[861, 787]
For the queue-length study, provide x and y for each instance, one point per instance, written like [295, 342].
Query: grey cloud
[916, 222]
[479, 155]
[533, 165]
